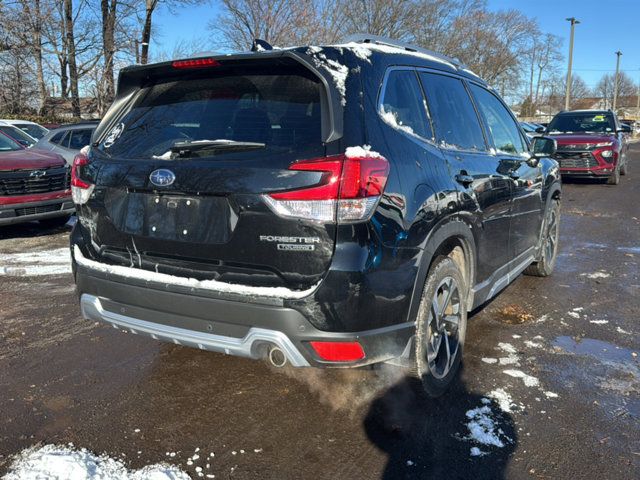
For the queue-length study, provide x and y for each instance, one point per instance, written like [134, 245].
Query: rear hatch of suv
[193, 175]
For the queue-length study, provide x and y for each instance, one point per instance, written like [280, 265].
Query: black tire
[55, 222]
[441, 321]
[624, 169]
[614, 179]
[548, 243]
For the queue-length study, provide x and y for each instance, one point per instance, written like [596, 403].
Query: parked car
[530, 129]
[67, 140]
[278, 205]
[591, 143]
[34, 185]
[18, 135]
[33, 129]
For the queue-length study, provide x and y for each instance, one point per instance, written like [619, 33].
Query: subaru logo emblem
[162, 177]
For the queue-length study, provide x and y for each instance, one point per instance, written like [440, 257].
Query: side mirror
[543, 147]
[540, 130]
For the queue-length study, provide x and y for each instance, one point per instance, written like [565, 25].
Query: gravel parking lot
[550, 386]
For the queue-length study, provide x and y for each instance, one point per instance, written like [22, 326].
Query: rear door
[183, 176]
[512, 153]
[484, 188]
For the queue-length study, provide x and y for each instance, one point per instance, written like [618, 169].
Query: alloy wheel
[443, 334]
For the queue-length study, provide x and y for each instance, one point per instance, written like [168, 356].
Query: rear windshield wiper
[184, 149]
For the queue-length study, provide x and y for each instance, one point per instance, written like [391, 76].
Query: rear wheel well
[458, 250]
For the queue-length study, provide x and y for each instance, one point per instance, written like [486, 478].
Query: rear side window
[280, 110]
[403, 104]
[454, 118]
[80, 138]
[57, 138]
[502, 126]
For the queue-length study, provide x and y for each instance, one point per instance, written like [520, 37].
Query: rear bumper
[238, 328]
[36, 210]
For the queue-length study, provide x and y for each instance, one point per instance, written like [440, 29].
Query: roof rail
[368, 38]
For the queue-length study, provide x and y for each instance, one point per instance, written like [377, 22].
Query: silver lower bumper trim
[243, 347]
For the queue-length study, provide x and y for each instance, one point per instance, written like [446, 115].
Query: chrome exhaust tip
[277, 358]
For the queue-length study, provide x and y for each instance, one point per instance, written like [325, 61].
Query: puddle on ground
[604, 373]
[603, 351]
[512, 314]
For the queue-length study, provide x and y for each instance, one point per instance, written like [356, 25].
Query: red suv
[34, 185]
[591, 143]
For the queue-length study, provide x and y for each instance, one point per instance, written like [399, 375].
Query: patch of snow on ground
[542, 319]
[596, 275]
[45, 262]
[53, 462]
[281, 292]
[624, 332]
[489, 360]
[483, 429]
[573, 314]
[511, 358]
[551, 395]
[359, 152]
[528, 380]
[599, 322]
[531, 344]
[507, 347]
[503, 399]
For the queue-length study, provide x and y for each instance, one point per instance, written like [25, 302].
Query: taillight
[339, 351]
[80, 190]
[195, 63]
[349, 188]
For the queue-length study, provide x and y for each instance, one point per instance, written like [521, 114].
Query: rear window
[80, 138]
[36, 131]
[282, 111]
[582, 123]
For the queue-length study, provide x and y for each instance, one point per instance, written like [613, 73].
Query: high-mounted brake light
[196, 63]
[80, 190]
[338, 351]
[348, 190]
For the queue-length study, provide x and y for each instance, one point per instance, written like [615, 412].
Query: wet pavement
[557, 357]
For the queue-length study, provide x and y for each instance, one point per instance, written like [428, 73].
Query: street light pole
[615, 84]
[567, 96]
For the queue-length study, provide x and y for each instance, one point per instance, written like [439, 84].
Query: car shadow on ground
[426, 438]
[33, 229]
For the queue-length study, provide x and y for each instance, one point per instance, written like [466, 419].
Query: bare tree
[150, 7]
[606, 85]
[279, 22]
[71, 55]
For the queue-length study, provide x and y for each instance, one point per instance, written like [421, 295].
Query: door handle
[464, 179]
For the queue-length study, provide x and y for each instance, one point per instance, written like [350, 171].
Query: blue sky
[606, 26]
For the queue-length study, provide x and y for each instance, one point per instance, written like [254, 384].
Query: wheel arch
[453, 238]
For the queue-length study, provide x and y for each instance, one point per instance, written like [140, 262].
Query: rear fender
[450, 228]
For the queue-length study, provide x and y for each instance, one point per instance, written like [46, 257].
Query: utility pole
[567, 96]
[616, 80]
[638, 105]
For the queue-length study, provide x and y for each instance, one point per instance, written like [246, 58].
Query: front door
[512, 152]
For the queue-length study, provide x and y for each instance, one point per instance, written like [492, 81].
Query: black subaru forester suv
[332, 206]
